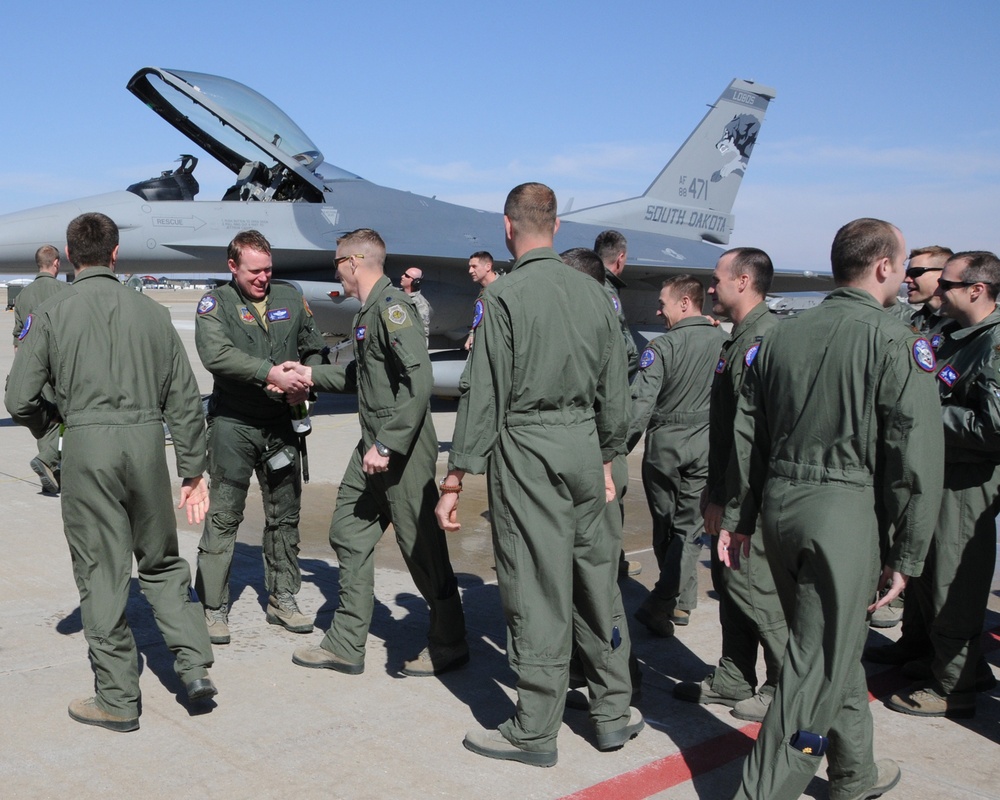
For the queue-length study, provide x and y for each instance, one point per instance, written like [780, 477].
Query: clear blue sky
[884, 108]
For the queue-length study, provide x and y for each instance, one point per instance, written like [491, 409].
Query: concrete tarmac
[278, 730]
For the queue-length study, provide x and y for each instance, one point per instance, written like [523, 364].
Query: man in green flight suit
[482, 271]
[390, 477]
[922, 270]
[837, 443]
[122, 371]
[243, 330]
[953, 590]
[585, 260]
[543, 410]
[749, 609]
[922, 308]
[670, 397]
[611, 247]
[46, 283]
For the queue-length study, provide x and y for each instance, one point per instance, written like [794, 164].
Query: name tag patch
[278, 314]
[948, 375]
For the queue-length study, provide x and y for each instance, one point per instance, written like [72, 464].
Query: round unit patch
[477, 314]
[648, 357]
[923, 354]
[206, 304]
[27, 326]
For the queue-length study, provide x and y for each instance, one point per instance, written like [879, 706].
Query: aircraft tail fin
[693, 195]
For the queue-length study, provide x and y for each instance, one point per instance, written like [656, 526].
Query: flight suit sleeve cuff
[191, 466]
[716, 497]
[609, 454]
[902, 559]
[262, 370]
[739, 520]
[395, 443]
[475, 465]
[730, 522]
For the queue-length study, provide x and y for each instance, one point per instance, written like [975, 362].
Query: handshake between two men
[295, 380]
[292, 379]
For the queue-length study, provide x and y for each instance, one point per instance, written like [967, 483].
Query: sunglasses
[947, 286]
[916, 272]
[342, 259]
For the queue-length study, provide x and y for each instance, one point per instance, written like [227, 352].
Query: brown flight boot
[88, 712]
[283, 610]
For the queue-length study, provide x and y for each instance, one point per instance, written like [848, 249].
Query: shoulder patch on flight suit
[751, 355]
[27, 326]
[305, 305]
[647, 358]
[206, 304]
[278, 314]
[246, 315]
[923, 354]
[477, 313]
[948, 375]
[395, 317]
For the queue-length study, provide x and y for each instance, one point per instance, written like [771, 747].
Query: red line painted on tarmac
[689, 763]
[674, 769]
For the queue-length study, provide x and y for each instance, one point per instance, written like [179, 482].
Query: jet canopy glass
[272, 156]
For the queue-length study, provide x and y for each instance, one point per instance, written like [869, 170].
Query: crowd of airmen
[812, 451]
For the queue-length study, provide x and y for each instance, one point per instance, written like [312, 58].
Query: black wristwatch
[381, 449]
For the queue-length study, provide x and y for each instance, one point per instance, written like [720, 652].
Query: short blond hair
[367, 241]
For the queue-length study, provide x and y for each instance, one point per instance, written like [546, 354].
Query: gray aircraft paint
[285, 189]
